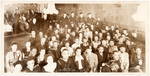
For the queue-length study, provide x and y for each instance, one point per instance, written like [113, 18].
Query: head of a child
[17, 66]
[30, 62]
[116, 55]
[65, 54]
[78, 51]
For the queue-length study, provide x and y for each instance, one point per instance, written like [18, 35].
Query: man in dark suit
[16, 25]
[72, 18]
[101, 56]
[64, 20]
[99, 24]
[45, 24]
[90, 19]
[81, 19]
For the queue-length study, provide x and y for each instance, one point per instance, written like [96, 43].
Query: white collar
[78, 58]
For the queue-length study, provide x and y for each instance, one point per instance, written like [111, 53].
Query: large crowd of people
[73, 44]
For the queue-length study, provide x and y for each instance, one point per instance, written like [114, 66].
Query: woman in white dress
[51, 65]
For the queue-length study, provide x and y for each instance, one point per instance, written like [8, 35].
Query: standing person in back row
[16, 25]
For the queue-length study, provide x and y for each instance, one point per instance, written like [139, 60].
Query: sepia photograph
[75, 37]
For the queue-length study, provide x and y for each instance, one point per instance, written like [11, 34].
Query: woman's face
[50, 59]
[14, 48]
[78, 52]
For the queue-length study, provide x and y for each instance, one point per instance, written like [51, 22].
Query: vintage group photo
[53, 37]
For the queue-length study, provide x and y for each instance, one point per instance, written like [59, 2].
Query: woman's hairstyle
[47, 55]
[78, 48]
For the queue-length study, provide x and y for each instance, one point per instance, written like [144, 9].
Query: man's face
[65, 54]
[65, 15]
[28, 44]
[30, 64]
[128, 42]
[121, 40]
[14, 47]
[100, 49]
[88, 50]
[122, 49]
[42, 52]
[78, 52]
[55, 44]
[33, 33]
[111, 43]
[138, 51]
[89, 15]
[116, 56]
[103, 42]
[53, 38]
[81, 15]
[96, 38]
[67, 44]
[43, 40]
[34, 20]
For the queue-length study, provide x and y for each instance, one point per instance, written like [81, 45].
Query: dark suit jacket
[100, 60]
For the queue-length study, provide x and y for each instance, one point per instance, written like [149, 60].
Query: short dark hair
[64, 50]
[78, 48]
[30, 58]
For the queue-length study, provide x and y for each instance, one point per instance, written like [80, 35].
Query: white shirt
[79, 61]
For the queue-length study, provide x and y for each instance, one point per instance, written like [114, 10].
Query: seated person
[81, 65]
[124, 58]
[67, 46]
[31, 67]
[40, 58]
[95, 44]
[41, 44]
[101, 56]
[33, 38]
[55, 50]
[50, 64]
[92, 59]
[18, 67]
[64, 64]
[137, 61]
[13, 56]
[84, 45]
[76, 44]
[27, 49]
[116, 59]
[114, 67]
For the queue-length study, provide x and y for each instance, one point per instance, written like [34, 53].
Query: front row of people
[86, 62]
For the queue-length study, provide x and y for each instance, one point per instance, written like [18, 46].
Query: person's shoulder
[9, 53]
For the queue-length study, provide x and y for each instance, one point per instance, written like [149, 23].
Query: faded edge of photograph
[75, 37]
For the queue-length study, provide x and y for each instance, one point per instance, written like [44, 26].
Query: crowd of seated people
[75, 44]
